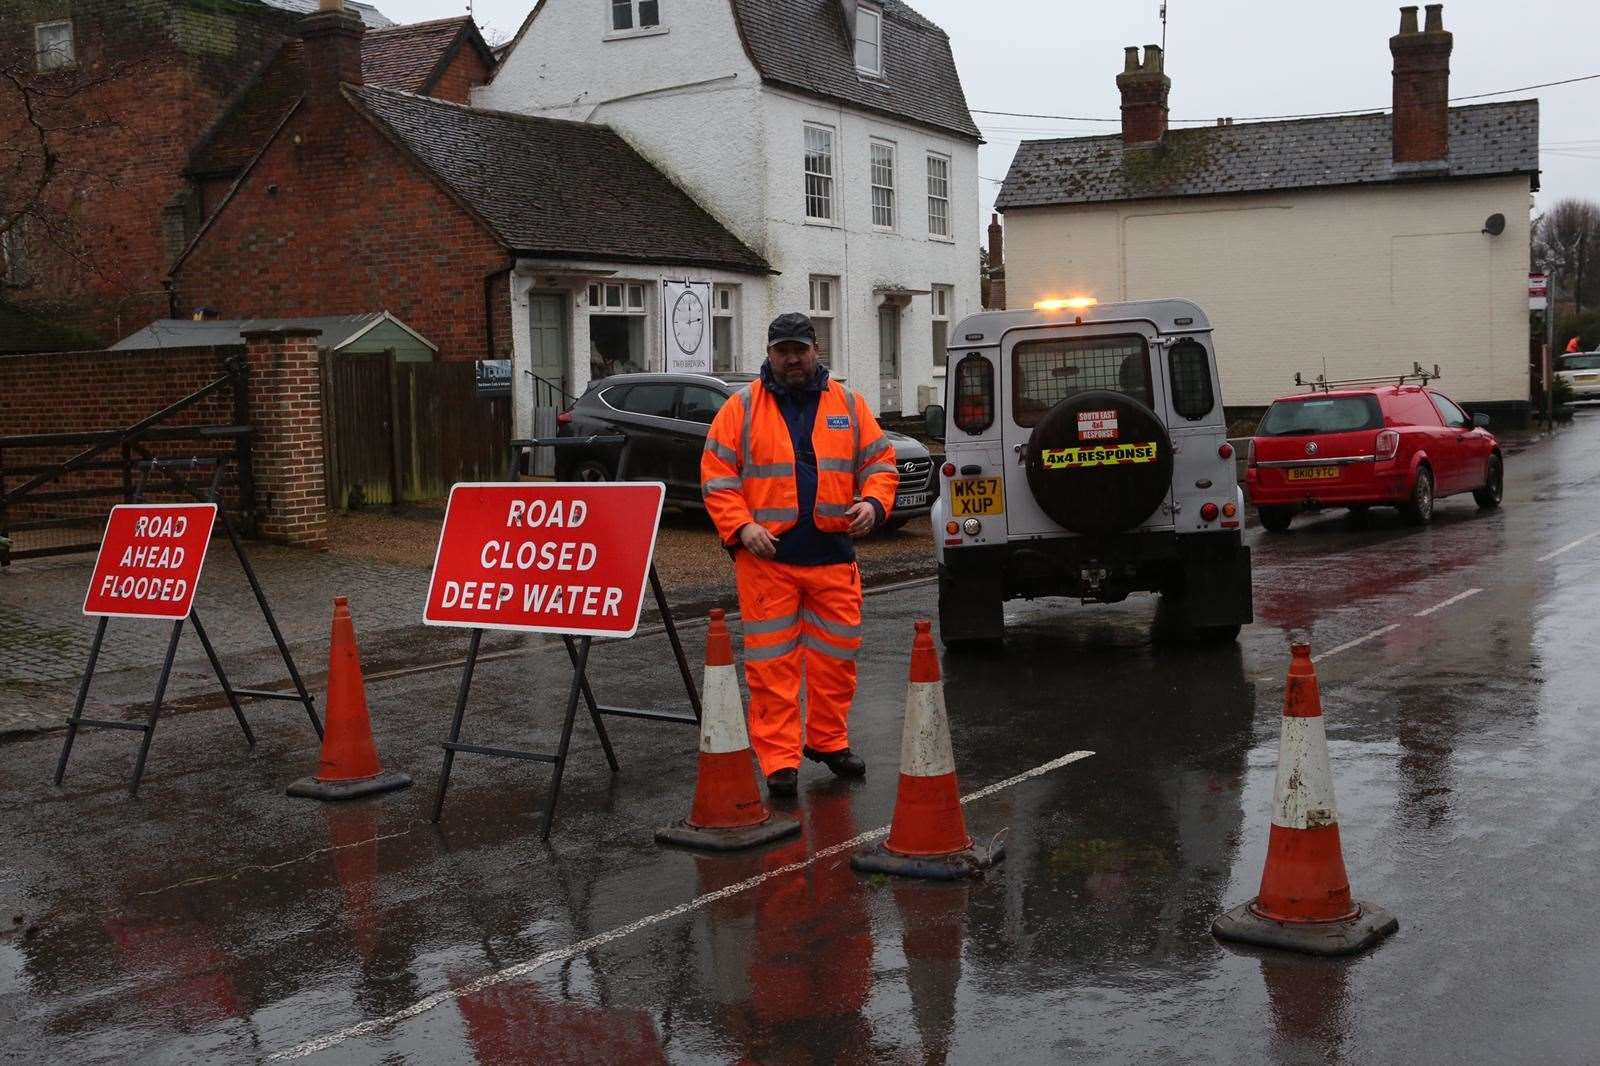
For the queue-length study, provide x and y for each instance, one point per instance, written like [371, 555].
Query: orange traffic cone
[349, 765]
[928, 836]
[1305, 903]
[728, 812]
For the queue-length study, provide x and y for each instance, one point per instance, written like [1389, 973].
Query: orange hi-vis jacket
[747, 470]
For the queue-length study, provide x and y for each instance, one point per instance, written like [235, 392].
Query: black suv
[666, 416]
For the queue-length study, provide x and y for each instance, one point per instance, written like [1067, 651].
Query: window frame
[1172, 380]
[599, 294]
[940, 294]
[875, 13]
[933, 234]
[826, 179]
[1023, 347]
[636, 29]
[983, 363]
[39, 51]
[674, 387]
[872, 183]
[683, 396]
[725, 305]
[830, 355]
[1466, 419]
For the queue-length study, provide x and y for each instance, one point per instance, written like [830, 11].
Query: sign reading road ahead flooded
[150, 560]
[543, 557]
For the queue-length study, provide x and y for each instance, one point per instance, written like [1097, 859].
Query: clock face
[688, 321]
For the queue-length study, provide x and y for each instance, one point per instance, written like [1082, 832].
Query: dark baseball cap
[792, 326]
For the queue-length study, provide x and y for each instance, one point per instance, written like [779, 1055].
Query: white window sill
[885, 229]
[941, 240]
[628, 35]
[821, 223]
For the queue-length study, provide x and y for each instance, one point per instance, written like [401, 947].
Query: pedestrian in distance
[794, 468]
[1572, 345]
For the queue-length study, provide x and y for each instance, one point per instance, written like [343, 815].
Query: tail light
[1225, 450]
[1208, 512]
[1250, 453]
[1388, 444]
[1229, 509]
[564, 418]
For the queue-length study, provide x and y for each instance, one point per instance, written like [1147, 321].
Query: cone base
[969, 862]
[383, 781]
[684, 835]
[1346, 936]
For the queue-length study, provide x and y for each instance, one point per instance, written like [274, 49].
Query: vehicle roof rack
[1418, 374]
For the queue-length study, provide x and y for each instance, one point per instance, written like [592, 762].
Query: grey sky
[1229, 57]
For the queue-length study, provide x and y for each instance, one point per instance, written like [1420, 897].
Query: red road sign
[150, 559]
[545, 557]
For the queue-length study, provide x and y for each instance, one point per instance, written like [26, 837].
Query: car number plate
[913, 500]
[1587, 377]
[973, 496]
[1313, 473]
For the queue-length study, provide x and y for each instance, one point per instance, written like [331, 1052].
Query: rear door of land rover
[1043, 365]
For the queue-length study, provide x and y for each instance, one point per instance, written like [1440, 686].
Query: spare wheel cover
[1099, 462]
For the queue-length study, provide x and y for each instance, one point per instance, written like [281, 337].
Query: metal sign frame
[209, 494]
[578, 649]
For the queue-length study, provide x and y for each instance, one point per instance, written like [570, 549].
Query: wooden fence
[404, 432]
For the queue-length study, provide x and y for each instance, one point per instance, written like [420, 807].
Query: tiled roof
[401, 57]
[1485, 140]
[553, 188]
[408, 57]
[803, 45]
[374, 19]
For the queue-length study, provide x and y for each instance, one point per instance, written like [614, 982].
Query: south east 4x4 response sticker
[1108, 455]
[1097, 425]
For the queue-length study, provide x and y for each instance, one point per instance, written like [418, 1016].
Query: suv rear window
[1579, 362]
[1334, 414]
[1046, 372]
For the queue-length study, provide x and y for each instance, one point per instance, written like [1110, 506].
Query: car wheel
[1418, 510]
[591, 470]
[1494, 489]
[1275, 519]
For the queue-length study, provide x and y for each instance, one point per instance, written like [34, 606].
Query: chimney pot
[1408, 20]
[330, 5]
[331, 45]
[1152, 59]
[1435, 23]
[1130, 60]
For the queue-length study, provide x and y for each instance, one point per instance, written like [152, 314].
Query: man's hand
[863, 516]
[757, 541]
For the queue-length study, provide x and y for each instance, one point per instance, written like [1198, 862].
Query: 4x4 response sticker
[1112, 455]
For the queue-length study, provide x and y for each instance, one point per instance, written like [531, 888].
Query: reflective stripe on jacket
[747, 469]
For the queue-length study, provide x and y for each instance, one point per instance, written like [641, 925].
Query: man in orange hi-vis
[794, 467]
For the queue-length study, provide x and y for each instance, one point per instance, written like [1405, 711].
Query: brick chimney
[332, 48]
[1421, 88]
[997, 265]
[1144, 96]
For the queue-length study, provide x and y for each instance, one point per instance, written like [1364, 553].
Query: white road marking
[1347, 645]
[1567, 547]
[1452, 600]
[555, 955]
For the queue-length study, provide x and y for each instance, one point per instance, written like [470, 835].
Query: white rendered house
[829, 136]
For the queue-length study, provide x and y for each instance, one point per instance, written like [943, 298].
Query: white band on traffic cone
[722, 727]
[1303, 795]
[925, 741]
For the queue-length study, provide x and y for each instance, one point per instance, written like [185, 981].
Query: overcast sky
[1228, 57]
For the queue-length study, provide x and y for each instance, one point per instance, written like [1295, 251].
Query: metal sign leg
[566, 733]
[222, 677]
[83, 695]
[677, 644]
[155, 707]
[594, 708]
[455, 725]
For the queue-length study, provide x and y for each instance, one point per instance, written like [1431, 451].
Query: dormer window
[628, 16]
[869, 40]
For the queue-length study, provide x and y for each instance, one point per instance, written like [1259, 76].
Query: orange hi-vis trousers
[794, 617]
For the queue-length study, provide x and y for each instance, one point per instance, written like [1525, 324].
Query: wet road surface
[214, 918]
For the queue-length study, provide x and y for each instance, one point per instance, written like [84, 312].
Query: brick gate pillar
[286, 447]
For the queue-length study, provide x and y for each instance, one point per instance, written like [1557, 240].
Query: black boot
[784, 782]
[844, 762]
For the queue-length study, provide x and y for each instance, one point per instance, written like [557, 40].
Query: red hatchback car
[1398, 445]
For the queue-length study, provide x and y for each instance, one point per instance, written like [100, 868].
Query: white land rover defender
[1086, 455]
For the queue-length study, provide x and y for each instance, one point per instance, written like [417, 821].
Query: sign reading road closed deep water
[550, 558]
[150, 559]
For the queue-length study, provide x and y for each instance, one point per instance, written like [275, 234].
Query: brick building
[158, 104]
[366, 198]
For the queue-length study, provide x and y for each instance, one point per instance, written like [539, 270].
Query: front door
[547, 340]
[888, 360]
